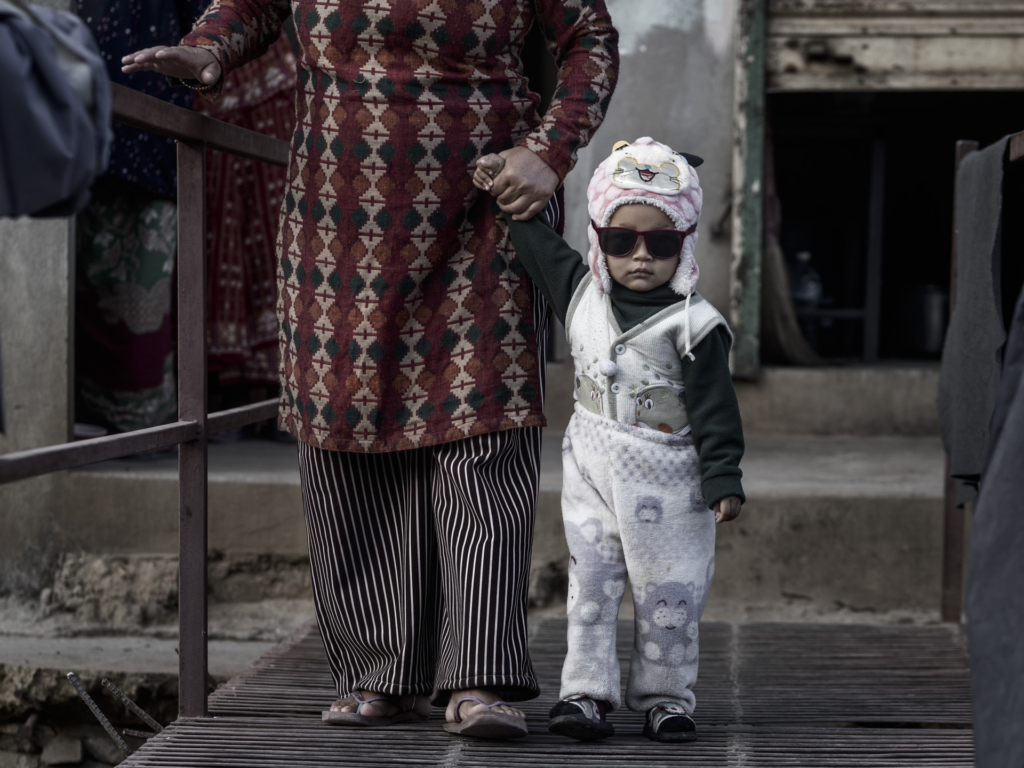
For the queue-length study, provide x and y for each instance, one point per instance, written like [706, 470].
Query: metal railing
[194, 134]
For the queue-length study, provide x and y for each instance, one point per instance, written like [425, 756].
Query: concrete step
[131, 505]
[833, 526]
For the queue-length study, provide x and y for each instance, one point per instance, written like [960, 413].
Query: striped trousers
[421, 561]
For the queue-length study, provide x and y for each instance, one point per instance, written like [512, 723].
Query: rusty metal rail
[194, 133]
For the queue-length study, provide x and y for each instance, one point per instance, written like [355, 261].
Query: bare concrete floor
[266, 621]
[132, 655]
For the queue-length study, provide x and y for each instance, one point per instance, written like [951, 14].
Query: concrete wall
[36, 332]
[36, 268]
[675, 85]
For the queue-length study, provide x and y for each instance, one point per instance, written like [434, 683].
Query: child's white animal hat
[650, 173]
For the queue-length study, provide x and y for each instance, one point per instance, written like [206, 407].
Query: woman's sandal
[405, 712]
[487, 725]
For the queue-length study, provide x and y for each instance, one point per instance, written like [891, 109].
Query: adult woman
[411, 338]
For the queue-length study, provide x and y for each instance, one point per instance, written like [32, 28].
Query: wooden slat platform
[768, 695]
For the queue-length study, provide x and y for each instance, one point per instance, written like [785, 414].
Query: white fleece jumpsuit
[632, 502]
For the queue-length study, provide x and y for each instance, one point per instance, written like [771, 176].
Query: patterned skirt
[124, 348]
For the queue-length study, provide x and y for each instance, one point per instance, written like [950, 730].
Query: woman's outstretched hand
[522, 182]
[180, 61]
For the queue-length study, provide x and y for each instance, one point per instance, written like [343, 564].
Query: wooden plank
[749, 674]
[969, 8]
[789, 83]
[896, 26]
[249, 742]
[762, 692]
[748, 202]
[907, 62]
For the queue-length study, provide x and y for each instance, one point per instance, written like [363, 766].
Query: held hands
[487, 167]
[519, 179]
[180, 61]
[727, 509]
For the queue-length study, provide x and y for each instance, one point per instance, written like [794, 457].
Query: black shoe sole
[580, 728]
[669, 736]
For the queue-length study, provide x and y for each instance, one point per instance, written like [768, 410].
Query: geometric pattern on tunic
[405, 318]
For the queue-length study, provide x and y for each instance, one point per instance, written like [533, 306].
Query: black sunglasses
[661, 243]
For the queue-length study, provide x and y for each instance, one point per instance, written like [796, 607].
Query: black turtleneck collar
[633, 307]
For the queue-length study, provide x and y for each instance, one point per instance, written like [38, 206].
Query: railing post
[192, 525]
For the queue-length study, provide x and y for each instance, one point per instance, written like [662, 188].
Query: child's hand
[487, 167]
[727, 509]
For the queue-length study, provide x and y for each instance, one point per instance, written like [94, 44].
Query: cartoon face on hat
[650, 173]
[665, 178]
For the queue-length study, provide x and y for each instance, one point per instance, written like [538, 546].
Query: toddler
[651, 455]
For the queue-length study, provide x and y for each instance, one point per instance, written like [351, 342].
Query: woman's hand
[523, 185]
[727, 509]
[180, 61]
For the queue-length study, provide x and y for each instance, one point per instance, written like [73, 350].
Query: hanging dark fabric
[55, 123]
[2, 429]
[995, 580]
[969, 377]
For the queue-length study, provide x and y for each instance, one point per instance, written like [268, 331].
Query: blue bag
[55, 102]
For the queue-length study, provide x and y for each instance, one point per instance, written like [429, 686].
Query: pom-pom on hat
[649, 173]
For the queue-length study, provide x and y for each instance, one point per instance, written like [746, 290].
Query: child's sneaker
[580, 717]
[669, 722]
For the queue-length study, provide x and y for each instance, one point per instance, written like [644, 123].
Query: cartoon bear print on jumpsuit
[593, 601]
[667, 623]
[649, 509]
[667, 617]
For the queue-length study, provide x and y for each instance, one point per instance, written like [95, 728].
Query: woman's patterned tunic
[406, 320]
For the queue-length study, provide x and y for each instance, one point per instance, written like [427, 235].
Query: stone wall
[36, 265]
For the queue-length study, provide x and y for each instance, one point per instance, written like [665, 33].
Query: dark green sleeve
[554, 267]
[714, 417]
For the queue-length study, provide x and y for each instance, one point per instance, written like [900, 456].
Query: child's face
[639, 271]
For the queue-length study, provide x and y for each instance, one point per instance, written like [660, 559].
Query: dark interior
[825, 146]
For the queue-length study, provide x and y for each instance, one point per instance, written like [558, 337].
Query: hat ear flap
[684, 281]
[598, 263]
